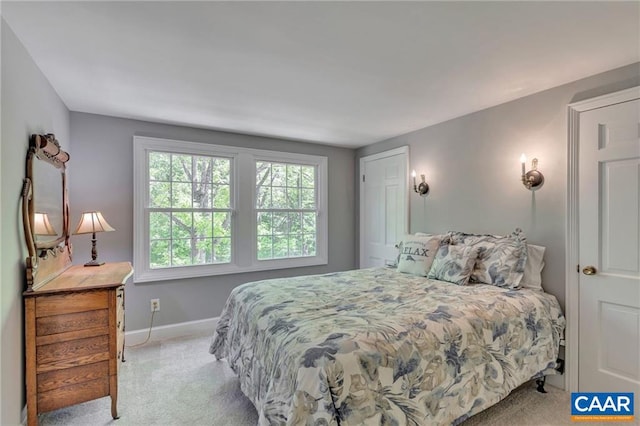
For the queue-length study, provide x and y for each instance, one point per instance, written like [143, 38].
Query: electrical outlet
[155, 305]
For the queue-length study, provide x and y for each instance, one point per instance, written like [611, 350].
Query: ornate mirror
[45, 210]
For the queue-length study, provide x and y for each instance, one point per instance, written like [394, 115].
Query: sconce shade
[91, 222]
[42, 225]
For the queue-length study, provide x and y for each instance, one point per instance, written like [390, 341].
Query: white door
[383, 206]
[609, 249]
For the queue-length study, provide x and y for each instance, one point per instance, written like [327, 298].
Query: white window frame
[244, 222]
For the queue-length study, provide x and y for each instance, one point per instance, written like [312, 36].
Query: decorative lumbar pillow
[453, 264]
[417, 253]
[501, 260]
[532, 277]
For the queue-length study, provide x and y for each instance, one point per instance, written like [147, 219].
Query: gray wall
[473, 169]
[101, 178]
[29, 105]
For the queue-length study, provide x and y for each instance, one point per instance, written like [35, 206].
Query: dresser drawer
[56, 324]
[72, 353]
[73, 394]
[72, 376]
[68, 303]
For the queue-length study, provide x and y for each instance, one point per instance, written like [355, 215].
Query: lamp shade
[42, 225]
[91, 222]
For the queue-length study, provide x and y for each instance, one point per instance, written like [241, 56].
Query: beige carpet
[177, 382]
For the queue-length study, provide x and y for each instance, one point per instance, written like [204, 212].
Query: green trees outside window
[286, 210]
[202, 209]
[189, 210]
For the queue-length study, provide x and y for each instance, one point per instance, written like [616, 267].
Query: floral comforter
[376, 346]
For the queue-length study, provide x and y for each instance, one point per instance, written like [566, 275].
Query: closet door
[383, 206]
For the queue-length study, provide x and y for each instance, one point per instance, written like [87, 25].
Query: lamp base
[94, 263]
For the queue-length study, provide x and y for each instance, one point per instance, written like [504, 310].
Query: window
[202, 209]
[189, 209]
[286, 210]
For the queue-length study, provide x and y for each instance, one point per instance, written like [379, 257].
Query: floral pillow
[501, 260]
[453, 264]
[417, 253]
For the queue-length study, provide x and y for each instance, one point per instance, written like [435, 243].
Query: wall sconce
[423, 188]
[533, 179]
[90, 223]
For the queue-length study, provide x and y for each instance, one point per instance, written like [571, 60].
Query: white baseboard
[182, 329]
[556, 380]
[23, 418]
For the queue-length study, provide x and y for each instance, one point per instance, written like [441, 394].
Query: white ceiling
[340, 73]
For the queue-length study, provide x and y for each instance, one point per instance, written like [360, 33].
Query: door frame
[572, 238]
[403, 150]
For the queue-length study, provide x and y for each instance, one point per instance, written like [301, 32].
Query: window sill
[164, 274]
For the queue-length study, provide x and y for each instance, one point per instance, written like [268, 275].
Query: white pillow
[532, 277]
[417, 253]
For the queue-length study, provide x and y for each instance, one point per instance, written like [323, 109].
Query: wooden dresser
[75, 337]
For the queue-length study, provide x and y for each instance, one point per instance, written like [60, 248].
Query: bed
[376, 346]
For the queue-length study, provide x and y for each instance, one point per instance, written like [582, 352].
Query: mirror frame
[47, 259]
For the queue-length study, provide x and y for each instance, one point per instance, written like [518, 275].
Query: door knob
[589, 270]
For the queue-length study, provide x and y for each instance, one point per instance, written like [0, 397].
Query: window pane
[280, 223]
[203, 225]
[308, 198]
[181, 169]
[293, 198]
[263, 173]
[279, 198]
[203, 251]
[264, 197]
[309, 245]
[201, 195]
[293, 176]
[159, 226]
[264, 223]
[264, 248]
[159, 253]
[278, 174]
[181, 225]
[221, 197]
[295, 223]
[203, 169]
[221, 171]
[309, 222]
[159, 166]
[159, 194]
[295, 245]
[280, 246]
[181, 195]
[181, 252]
[308, 176]
[221, 224]
[222, 250]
